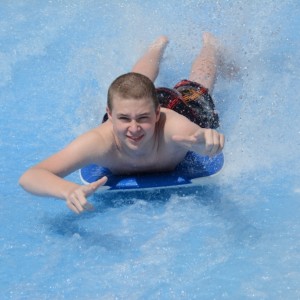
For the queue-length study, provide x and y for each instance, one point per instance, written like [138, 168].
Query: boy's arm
[192, 137]
[45, 179]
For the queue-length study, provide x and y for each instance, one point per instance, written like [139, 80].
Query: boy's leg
[204, 67]
[148, 64]
[195, 91]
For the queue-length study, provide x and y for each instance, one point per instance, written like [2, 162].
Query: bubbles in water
[191, 245]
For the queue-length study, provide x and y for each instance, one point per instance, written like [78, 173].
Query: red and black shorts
[191, 100]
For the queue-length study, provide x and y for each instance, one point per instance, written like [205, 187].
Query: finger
[87, 191]
[220, 144]
[72, 207]
[78, 201]
[92, 187]
[209, 141]
[100, 182]
[222, 141]
[216, 144]
[80, 204]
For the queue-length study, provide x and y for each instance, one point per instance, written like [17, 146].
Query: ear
[108, 111]
[157, 113]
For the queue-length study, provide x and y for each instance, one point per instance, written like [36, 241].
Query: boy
[138, 135]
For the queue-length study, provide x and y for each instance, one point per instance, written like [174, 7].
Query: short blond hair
[132, 85]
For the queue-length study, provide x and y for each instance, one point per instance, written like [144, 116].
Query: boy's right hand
[77, 201]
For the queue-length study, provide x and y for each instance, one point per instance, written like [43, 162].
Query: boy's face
[134, 122]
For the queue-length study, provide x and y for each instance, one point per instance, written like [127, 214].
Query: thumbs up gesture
[206, 142]
[77, 201]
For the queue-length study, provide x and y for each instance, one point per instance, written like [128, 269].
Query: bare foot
[160, 43]
[148, 64]
[227, 67]
[209, 40]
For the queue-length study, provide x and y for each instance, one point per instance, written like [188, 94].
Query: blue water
[237, 240]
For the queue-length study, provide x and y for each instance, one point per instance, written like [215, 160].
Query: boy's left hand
[204, 141]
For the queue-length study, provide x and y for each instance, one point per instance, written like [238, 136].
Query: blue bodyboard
[194, 169]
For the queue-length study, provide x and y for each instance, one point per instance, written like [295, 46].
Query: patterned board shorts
[191, 100]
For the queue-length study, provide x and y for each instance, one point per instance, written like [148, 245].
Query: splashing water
[239, 240]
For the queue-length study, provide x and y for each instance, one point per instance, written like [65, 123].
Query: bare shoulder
[85, 149]
[101, 133]
[176, 124]
[97, 141]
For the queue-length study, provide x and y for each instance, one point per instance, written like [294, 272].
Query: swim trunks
[191, 100]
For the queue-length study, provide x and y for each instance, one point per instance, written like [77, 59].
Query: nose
[134, 126]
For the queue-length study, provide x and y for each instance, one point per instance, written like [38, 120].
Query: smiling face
[134, 123]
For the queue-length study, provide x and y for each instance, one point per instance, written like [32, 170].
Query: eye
[125, 119]
[143, 118]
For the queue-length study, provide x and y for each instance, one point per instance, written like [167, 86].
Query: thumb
[92, 187]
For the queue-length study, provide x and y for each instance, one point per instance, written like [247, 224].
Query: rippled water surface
[239, 239]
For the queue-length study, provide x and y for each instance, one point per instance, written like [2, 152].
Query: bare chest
[161, 161]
